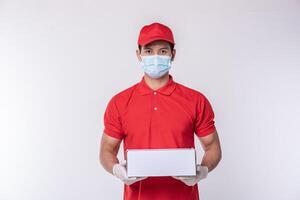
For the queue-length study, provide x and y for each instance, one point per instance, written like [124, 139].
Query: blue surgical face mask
[156, 66]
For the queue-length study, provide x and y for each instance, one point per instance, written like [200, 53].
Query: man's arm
[108, 158]
[210, 160]
[109, 149]
[213, 153]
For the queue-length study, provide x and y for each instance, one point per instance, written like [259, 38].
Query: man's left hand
[201, 173]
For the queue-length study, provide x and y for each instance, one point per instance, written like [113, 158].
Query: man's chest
[159, 117]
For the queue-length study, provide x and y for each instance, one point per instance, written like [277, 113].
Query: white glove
[201, 173]
[119, 170]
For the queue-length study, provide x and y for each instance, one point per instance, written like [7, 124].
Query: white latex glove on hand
[201, 173]
[119, 170]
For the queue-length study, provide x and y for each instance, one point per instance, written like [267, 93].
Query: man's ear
[138, 54]
[173, 54]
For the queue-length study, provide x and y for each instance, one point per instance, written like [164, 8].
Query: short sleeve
[112, 121]
[204, 123]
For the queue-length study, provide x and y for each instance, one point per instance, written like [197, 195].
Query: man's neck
[155, 84]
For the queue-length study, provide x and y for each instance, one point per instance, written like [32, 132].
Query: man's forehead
[159, 43]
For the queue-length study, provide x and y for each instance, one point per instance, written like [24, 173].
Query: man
[155, 113]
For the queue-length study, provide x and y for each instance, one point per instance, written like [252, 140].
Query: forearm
[108, 159]
[109, 149]
[211, 158]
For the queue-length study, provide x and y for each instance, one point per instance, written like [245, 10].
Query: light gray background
[61, 61]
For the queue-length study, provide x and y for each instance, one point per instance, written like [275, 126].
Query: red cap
[155, 31]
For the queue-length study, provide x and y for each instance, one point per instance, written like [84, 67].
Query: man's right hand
[119, 170]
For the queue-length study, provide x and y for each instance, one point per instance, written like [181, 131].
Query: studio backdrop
[62, 61]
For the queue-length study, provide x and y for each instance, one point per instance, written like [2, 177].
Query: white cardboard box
[161, 162]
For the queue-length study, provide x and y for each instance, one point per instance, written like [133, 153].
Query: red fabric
[155, 31]
[180, 112]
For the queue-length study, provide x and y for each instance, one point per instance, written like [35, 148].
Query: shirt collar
[167, 89]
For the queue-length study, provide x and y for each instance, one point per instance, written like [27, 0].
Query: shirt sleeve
[112, 120]
[204, 122]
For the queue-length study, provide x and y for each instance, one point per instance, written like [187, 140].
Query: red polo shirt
[164, 118]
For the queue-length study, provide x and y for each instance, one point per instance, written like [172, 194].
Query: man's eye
[148, 51]
[164, 51]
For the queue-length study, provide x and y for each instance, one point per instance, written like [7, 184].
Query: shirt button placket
[155, 101]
